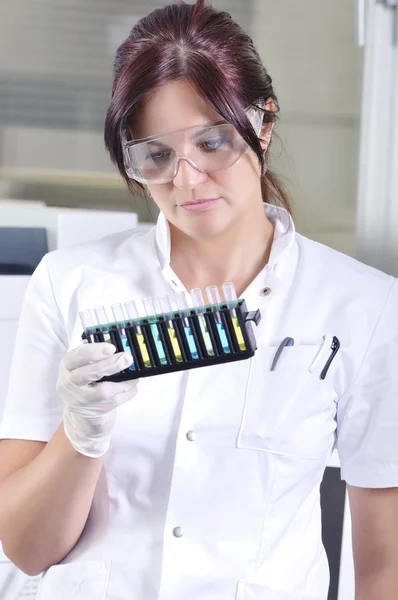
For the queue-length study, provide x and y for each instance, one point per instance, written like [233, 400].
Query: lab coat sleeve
[367, 418]
[33, 410]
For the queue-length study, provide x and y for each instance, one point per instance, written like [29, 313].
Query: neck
[238, 255]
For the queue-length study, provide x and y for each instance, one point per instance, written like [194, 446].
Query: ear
[268, 128]
[266, 135]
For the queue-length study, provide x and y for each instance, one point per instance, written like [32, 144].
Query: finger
[103, 368]
[88, 353]
[125, 396]
[107, 392]
[103, 397]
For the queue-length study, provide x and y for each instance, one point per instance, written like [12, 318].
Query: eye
[213, 144]
[159, 157]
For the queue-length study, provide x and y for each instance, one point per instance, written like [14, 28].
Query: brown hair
[205, 46]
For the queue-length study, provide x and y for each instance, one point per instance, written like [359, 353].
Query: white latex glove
[89, 413]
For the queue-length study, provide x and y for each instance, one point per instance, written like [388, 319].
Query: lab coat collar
[284, 236]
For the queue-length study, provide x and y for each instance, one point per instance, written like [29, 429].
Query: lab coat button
[178, 532]
[266, 291]
[191, 436]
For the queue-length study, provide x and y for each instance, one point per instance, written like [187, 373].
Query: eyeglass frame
[126, 144]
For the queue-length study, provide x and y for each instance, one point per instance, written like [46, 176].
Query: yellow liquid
[144, 351]
[239, 335]
[175, 344]
[107, 338]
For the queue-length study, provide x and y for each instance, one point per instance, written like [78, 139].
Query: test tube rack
[154, 331]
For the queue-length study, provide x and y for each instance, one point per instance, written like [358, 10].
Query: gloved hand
[89, 413]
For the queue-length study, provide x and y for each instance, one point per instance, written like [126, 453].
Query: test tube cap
[118, 312]
[197, 297]
[149, 306]
[101, 315]
[131, 309]
[181, 300]
[213, 294]
[87, 318]
[165, 304]
[229, 292]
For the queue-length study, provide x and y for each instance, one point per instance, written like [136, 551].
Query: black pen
[334, 348]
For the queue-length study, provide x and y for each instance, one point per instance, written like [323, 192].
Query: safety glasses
[207, 148]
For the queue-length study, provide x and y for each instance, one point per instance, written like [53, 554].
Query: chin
[206, 225]
[206, 230]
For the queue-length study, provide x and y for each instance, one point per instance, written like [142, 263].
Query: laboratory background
[334, 64]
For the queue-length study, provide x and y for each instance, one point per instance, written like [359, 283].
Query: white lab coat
[211, 486]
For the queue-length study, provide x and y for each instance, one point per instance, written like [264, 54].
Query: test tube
[102, 319]
[231, 299]
[199, 304]
[87, 319]
[182, 305]
[165, 307]
[150, 311]
[213, 296]
[119, 316]
[132, 313]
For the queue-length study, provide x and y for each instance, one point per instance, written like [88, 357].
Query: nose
[187, 177]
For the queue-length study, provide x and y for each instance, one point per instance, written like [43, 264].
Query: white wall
[310, 50]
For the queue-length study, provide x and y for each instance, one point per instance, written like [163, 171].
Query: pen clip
[335, 347]
[288, 341]
[325, 346]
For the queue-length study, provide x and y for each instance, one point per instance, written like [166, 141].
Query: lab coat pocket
[80, 581]
[290, 410]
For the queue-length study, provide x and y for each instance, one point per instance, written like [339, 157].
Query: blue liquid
[126, 348]
[223, 338]
[158, 344]
[191, 342]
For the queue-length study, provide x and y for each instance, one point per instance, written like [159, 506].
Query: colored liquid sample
[144, 351]
[206, 336]
[126, 348]
[175, 344]
[223, 338]
[158, 344]
[107, 338]
[239, 335]
[191, 342]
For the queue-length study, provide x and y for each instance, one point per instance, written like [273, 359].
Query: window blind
[56, 57]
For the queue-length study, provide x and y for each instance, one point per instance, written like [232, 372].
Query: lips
[199, 201]
[199, 205]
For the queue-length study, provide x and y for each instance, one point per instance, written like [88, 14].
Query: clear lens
[208, 149]
[212, 149]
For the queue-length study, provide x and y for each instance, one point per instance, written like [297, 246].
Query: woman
[202, 484]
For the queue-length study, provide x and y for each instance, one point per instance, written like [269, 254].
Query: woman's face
[235, 192]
